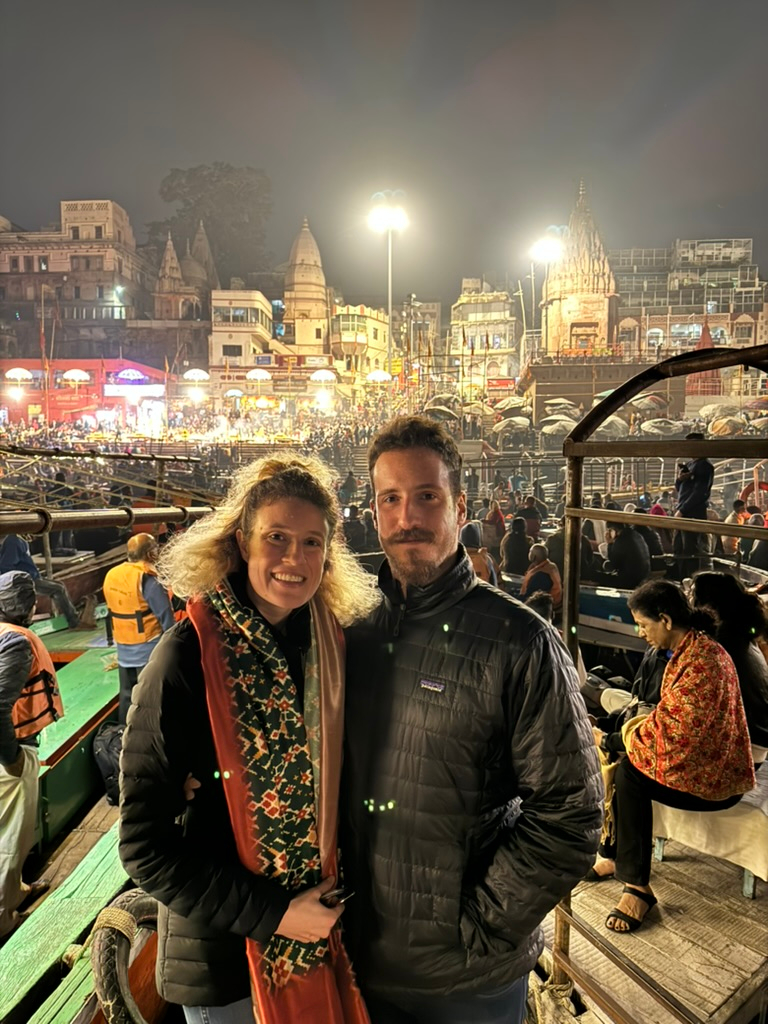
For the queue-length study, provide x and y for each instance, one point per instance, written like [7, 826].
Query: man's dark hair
[739, 504]
[542, 603]
[406, 432]
[694, 435]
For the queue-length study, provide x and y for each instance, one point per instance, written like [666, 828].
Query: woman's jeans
[505, 1007]
[240, 1012]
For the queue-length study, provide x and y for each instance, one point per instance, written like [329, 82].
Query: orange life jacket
[133, 621]
[554, 574]
[39, 702]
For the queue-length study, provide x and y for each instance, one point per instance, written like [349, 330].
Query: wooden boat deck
[705, 945]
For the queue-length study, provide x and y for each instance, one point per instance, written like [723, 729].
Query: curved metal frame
[578, 446]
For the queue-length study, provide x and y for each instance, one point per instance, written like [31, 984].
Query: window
[42, 262]
[75, 234]
[231, 350]
[14, 263]
[29, 265]
[99, 291]
[743, 332]
[98, 231]
[375, 333]
[76, 291]
[318, 333]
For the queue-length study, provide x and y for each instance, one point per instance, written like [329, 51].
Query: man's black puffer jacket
[184, 854]
[472, 795]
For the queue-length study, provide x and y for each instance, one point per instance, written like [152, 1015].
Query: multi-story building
[359, 339]
[306, 297]
[606, 316]
[99, 295]
[485, 333]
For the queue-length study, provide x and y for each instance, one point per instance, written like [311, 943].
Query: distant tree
[233, 203]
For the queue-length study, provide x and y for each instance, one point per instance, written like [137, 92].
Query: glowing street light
[387, 216]
[547, 250]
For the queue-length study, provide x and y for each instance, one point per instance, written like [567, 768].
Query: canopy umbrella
[557, 403]
[258, 373]
[759, 404]
[439, 412]
[76, 376]
[727, 426]
[760, 424]
[322, 377]
[197, 375]
[604, 394]
[559, 429]
[17, 373]
[558, 418]
[446, 399]
[662, 427]
[233, 393]
[478, 409]
[379, 377]
[613, 428]
[512, 424]
[649, 403]
[510, 402]
[716, 410]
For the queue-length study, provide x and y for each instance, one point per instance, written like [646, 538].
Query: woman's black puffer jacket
[184, 853]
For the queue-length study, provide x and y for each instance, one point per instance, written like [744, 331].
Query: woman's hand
[190, 785]
[307, 919]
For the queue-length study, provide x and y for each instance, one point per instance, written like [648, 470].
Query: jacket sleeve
[157, 598]
[552, 843]
[15, 665]
[210, 885]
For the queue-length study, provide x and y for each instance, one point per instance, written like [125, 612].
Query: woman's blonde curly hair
[197, 561]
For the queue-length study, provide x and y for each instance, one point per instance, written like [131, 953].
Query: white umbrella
[726, 426]
[558, 429]
[379, 377]
[76, 376]
[718, 409]
[558, 418]
[196, 375]
[18, 373]
[666, 428]
[233, 393]
[511, 402]
[322, 377]
[614, 427]
[258, 373]
[512, 424]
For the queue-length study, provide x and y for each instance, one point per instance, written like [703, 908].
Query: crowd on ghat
[443, 672]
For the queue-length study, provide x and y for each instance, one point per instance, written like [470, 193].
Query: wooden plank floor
[705, 943]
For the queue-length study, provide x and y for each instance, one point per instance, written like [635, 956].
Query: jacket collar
[442, 593]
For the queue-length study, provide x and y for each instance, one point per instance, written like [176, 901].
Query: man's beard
[409, 565]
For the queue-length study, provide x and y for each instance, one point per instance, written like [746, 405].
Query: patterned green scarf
[280, 749]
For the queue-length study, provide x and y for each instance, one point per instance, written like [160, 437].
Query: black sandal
[593, 876]
[632, 923]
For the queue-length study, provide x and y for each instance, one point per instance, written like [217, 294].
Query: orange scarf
[244, 669]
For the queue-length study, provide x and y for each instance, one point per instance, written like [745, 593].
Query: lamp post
[547, 250]
[387, 216]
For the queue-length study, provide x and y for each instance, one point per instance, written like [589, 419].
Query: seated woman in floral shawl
[692, 752]
[246, 697]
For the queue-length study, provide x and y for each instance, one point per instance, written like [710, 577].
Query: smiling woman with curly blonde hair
[244, 700]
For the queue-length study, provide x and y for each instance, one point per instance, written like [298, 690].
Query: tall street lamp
[387, 216]
[547, 250]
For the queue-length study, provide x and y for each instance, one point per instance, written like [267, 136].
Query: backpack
[107, 745]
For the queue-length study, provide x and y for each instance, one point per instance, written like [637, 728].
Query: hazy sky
[486, 114]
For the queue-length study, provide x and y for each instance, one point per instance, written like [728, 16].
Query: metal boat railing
[576, 448]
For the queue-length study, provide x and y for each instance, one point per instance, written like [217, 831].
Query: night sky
[486, 114]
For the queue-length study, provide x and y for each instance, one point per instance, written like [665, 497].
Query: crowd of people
[356, 798]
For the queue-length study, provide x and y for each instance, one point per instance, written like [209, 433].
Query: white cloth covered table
[738, 834]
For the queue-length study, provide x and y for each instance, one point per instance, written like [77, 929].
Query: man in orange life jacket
[140, 610]
[29, 700]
